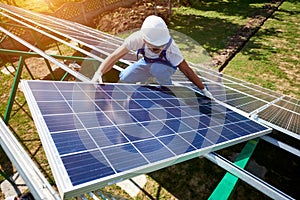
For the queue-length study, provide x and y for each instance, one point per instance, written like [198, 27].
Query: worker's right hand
[207, 94]
[97, 77]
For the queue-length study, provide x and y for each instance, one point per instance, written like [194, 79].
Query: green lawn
[210, 23]
[272, 57]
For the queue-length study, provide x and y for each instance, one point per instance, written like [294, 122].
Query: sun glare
[35, 5]
[38, 5]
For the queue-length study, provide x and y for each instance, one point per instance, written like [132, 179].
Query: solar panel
[233, 97]
[98, 134]
[283, 114]
[270, 108]
[100, 42]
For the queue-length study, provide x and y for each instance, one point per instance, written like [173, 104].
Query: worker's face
[155, 49]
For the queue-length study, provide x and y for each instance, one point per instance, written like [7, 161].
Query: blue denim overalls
[144, 68]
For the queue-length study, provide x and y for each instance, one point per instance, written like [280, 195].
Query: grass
[269, 59]
[210, 23]
[22, 125]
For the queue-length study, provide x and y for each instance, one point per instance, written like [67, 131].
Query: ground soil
[123, 19]
[114, 22]
[128, 18]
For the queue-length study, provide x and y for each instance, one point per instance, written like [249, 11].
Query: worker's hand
[97, 77]
[207, 93]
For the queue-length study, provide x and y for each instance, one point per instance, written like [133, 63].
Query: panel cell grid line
[233, 97]
[98, 134]
[268, 107]
[284, 116]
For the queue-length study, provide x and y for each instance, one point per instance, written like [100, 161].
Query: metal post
[13, 90]
[227, 185]
[247, 177]
[50, 69]
[6, 176]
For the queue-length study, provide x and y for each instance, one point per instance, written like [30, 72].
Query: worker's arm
[192, 76]
[109, 62]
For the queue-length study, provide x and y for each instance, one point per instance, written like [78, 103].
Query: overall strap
[161, 58]
[163, 53]
[140, 51]
[168, 45]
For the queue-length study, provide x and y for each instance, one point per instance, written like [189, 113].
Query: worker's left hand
[207, 93]
[97, 77]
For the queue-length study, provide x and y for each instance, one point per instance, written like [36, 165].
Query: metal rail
[249, 178]
[47, 27]
[281, 145]
[46, 56]
[37, 183]
[227, 185]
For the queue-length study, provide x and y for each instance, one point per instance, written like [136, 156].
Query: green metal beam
[13, 90]
[2, 173]
[227, 185]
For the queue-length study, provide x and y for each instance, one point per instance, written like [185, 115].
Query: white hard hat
[155, 31]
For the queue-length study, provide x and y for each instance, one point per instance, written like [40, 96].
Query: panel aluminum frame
[67, 189]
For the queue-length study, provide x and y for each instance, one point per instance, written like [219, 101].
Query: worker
[160, 57]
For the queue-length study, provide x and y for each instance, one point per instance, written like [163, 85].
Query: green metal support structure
[13, 90]
[227, 185]
[17, 76]
[22, 56]
[10, 103]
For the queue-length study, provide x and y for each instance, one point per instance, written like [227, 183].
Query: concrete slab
[8, 70]
[10, 191]
[130, 187]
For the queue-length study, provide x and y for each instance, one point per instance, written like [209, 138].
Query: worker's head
[155, 31]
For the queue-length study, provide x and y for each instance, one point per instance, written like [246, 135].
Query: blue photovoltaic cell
[147, 147]
[58, 107]
[85, 166]
[273, 109]
[124, 157]
[73, 141]
[177, 144]
[62, 122]
[110, 136]
[105, 130]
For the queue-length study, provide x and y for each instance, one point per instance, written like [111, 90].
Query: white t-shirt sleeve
[134, 41]
[174, 55]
